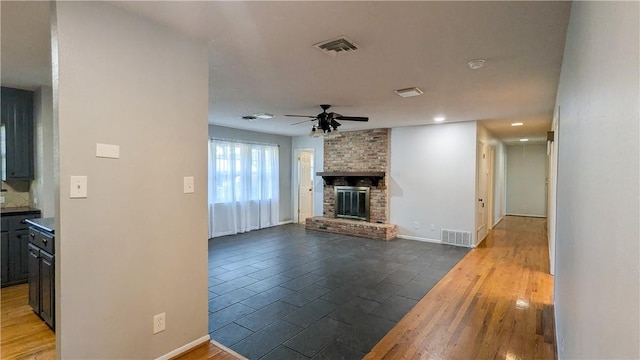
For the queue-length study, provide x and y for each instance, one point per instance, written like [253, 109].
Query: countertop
[45, 224]
[9, 211]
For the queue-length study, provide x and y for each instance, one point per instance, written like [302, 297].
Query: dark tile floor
[287, 293]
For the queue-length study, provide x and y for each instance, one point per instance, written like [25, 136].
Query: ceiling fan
[327, 122]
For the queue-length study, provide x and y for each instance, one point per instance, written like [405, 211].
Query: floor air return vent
[458, 238]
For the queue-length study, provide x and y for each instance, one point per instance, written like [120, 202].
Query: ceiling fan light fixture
[408, 92]
[475, 64]
[264, 116]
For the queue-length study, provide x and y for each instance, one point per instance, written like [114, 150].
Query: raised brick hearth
[358, 152]
[364, 229]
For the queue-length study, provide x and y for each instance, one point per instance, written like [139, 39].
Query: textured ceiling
[262, 59]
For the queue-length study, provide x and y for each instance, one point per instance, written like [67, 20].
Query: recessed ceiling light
[439, 118]
[409, 92]
[517, 124]
[523, 140]
[475, 64]
[264, 116]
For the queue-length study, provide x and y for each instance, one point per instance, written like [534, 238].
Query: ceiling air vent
[335, 46]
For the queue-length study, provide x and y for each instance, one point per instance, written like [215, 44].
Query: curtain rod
[242, 141]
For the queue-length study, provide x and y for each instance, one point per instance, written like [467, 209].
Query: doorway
[305, 165]
[483, 202]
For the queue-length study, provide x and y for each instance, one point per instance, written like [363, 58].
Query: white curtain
[243, 187]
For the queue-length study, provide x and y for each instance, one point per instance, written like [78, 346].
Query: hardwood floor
[208, 351]
[487, 307]
[24, 334]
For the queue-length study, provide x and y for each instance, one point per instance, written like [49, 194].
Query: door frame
[488, 198]
[296, 182]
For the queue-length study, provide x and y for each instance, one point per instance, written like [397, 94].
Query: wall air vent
[336, 46]
[455, 237]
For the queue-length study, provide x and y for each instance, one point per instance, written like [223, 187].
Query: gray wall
[137, 245]
[526, 175]
[597, 262]
[285, 159]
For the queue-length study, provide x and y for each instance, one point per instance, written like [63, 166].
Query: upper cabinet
[18, 134]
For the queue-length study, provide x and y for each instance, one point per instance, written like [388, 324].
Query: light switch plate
[188, 185]
[107, 151]
[78, 187]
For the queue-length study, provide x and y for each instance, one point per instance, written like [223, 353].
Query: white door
[482, 192]
[305, 187]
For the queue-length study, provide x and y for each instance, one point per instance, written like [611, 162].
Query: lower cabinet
[42, 284]
[14, 243]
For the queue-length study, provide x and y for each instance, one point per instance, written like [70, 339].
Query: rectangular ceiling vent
[340, 45]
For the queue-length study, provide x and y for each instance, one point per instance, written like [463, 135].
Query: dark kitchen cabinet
[47, 308]
[14, 253]
[19, 256]
[34, 276]
[18, 122]
[41, 264]
[4, 259]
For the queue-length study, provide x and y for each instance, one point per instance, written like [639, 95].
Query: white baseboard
[228, 350]
[285, 222]
[527, 215]
[417, 238]
[184, 348]
[496, 223]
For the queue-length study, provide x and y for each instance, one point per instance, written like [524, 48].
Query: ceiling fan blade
[304, 116]
[303, 121]
[352, 118]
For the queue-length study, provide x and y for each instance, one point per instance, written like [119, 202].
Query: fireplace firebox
[352, 202]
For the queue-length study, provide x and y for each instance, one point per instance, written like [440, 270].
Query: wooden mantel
[352, 177]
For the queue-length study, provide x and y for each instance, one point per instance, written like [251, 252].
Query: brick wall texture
[366, 150]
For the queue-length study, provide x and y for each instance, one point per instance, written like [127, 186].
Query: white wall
[43, 188]
[284, 151]
[433, 179]
[526, 180]
[597, 245]
[500, 183]
[137, 245]
[317, 144]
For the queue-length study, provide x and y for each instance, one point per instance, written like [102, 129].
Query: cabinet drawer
[18, 222]
[42, 240]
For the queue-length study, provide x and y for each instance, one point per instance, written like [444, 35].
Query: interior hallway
[487, 307]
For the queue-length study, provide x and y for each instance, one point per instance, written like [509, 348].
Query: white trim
[500, 219]
[240, 357]
[184, 348]
[285, 222]
[417, 238]
[527, 215]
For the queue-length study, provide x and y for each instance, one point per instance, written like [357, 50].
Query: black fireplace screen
[352, 202]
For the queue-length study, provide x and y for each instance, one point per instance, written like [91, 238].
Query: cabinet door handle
[44, 240]
[32, 235]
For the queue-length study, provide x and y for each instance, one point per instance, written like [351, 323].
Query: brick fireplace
[358, 159]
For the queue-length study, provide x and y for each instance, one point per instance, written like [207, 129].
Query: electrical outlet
[158, 323]
[433, 227]
[1, 199]
[416, 225]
